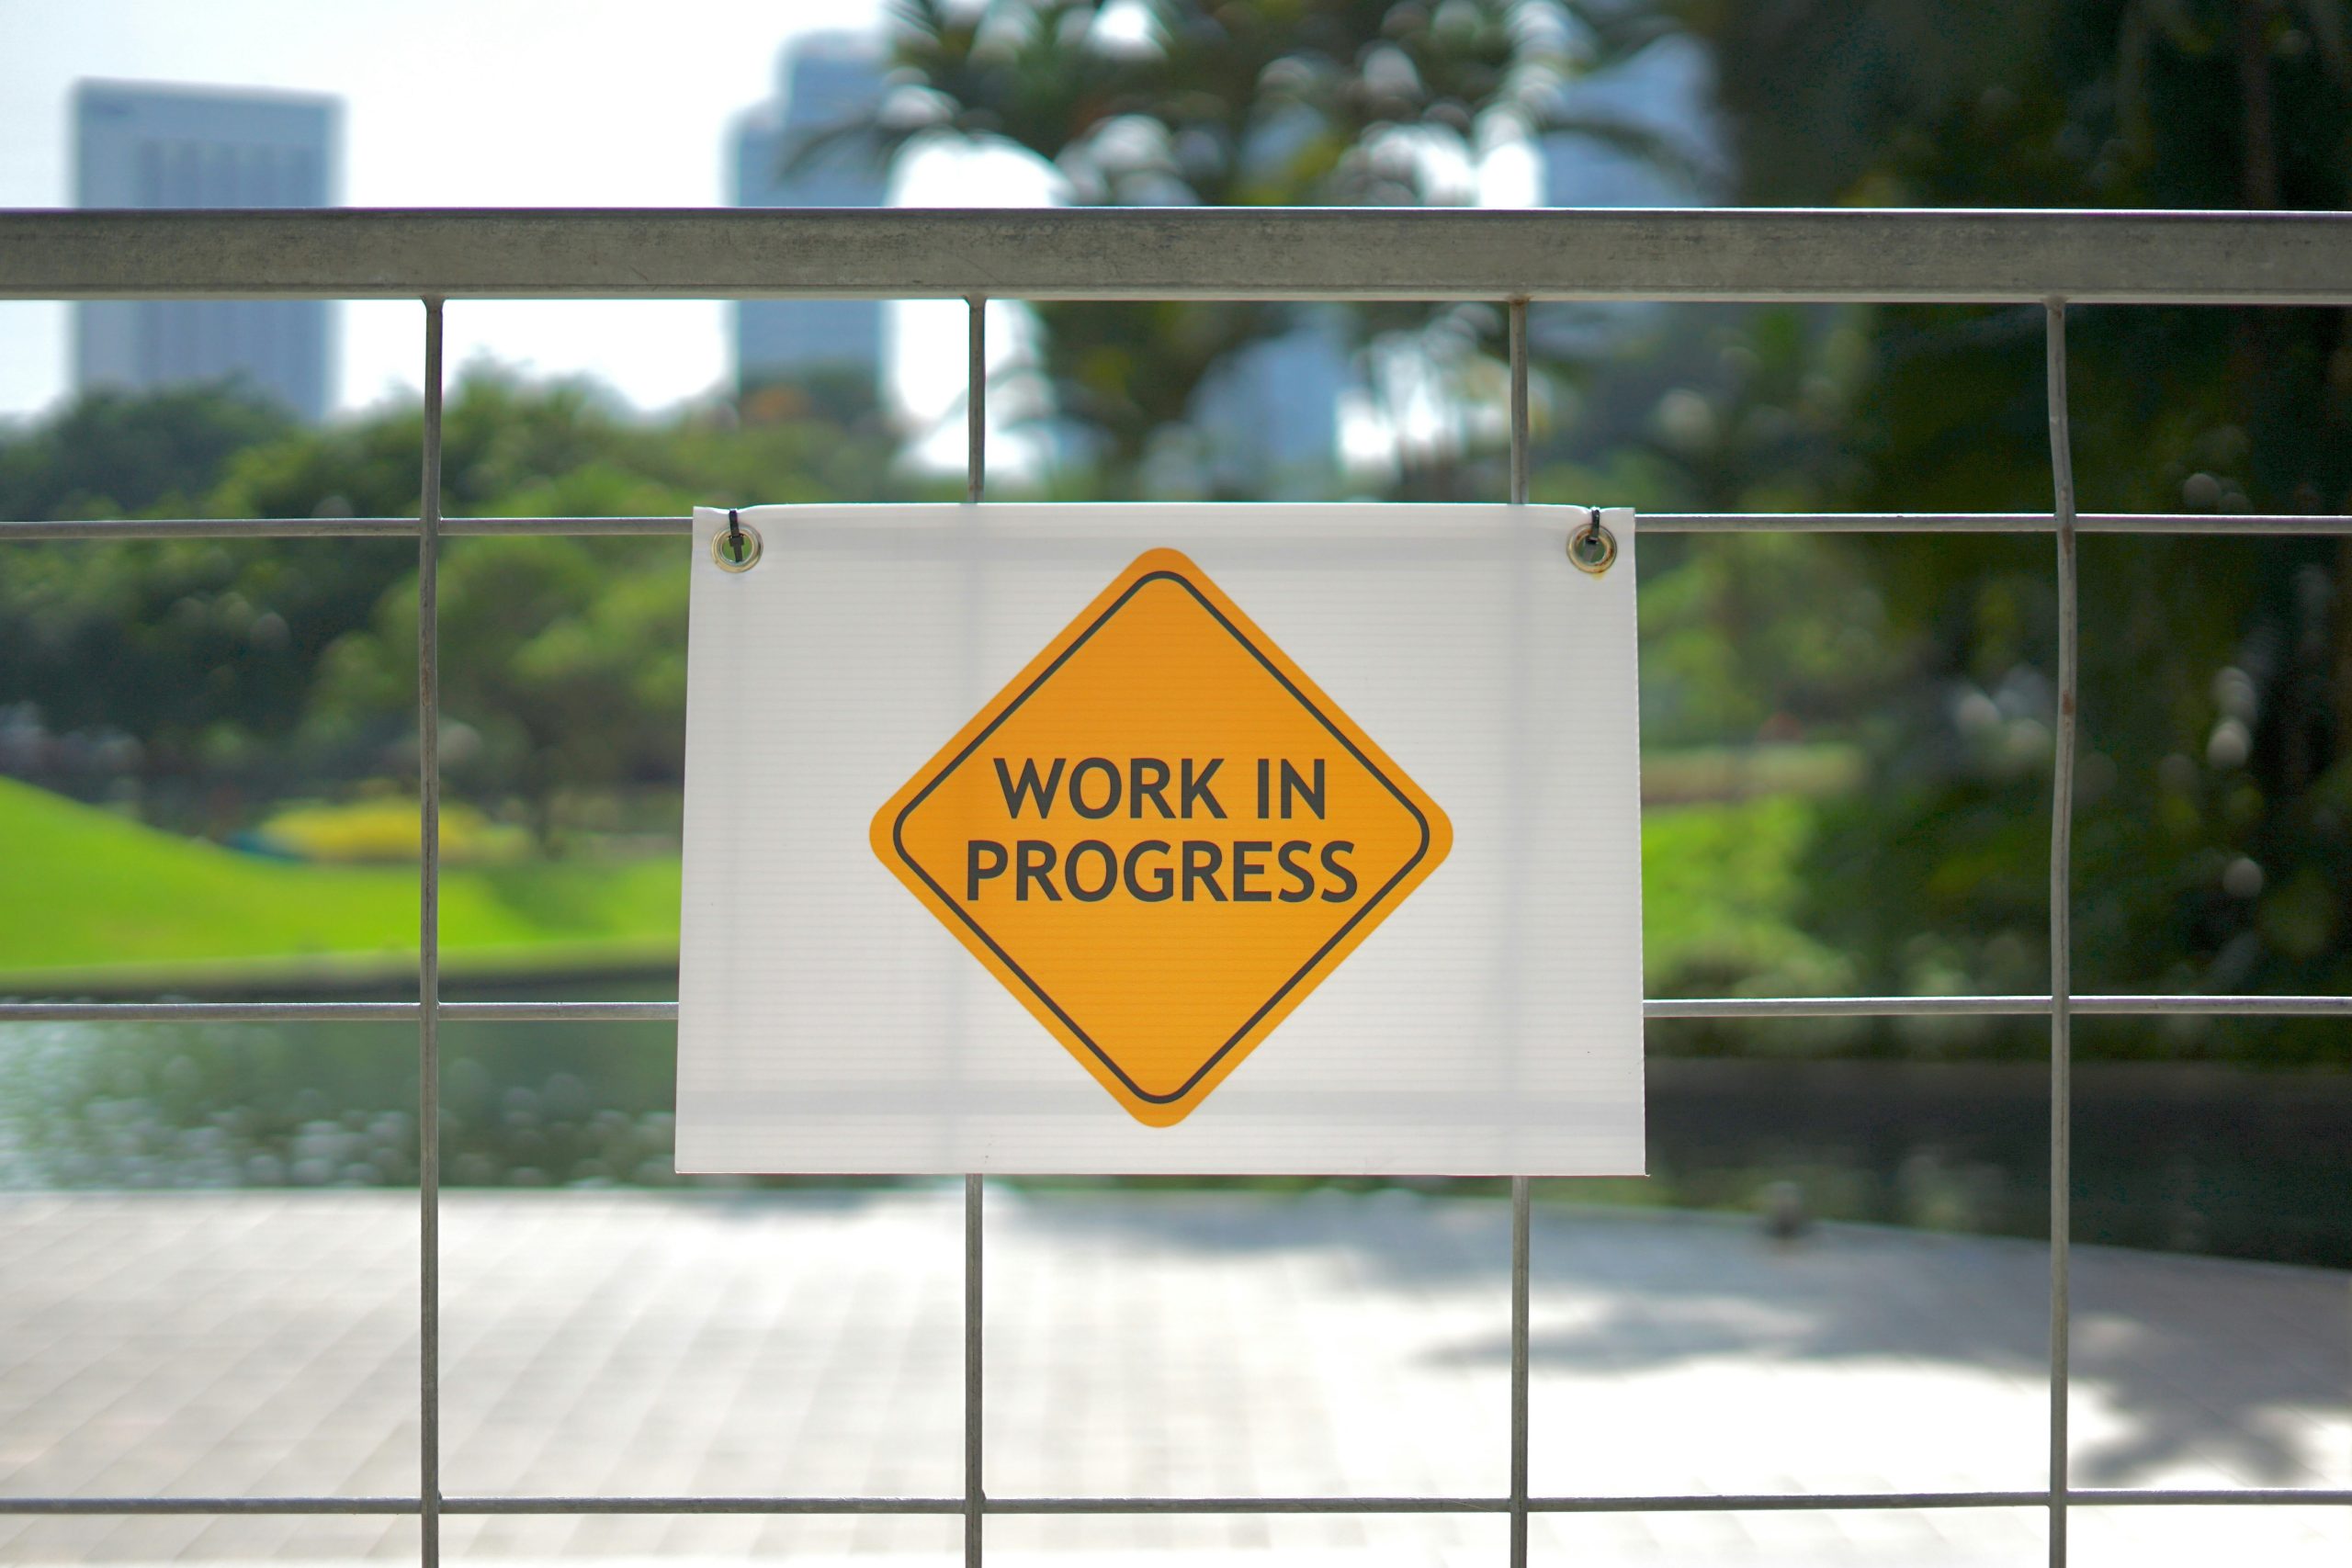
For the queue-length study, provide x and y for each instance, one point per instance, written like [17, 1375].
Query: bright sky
[447, 103]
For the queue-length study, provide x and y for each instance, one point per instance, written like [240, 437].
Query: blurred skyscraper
[154, 146]
[824, 80]
[1269, 416]
[1665, 93]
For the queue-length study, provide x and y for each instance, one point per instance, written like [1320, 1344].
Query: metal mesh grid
[211, 253]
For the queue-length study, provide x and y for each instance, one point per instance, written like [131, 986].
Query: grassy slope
[84, 890]
[87, 895]
[1721, 885]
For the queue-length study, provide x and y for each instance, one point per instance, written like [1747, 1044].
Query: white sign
[1128, 839]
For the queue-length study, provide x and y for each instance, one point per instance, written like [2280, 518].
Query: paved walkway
[1136, 1343]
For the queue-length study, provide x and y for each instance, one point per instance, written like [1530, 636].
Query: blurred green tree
[263, 668]
[188, 649]
[563, 668]
[1248, 103]
[2215, 839]
[112, 453]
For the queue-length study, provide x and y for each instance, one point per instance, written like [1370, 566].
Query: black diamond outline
[897, 839]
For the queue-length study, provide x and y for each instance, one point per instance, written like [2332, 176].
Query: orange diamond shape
[1160, 835]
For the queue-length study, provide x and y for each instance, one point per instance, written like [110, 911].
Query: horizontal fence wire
[1657, 1009]
[1678, 1503]
[2218, 524]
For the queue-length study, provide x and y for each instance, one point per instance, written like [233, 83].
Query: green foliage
[2213, 839]
[2038, 103]
[1760, 634]
[563, 666]
[384, 829]
[188, 645]
[1262, 103]
[1720, 887]
[1252, 103]
[269, 666]
[113, 454]
[1746, 638]
[199, 649]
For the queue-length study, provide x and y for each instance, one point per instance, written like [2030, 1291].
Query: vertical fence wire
[976, 398]
[1518, 403]
[428, 950]
[974, 1496]
[1519, 1261]
[2062, 926]
[1519, 1184]
[975, 482]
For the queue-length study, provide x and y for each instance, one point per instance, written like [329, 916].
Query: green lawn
[87, 895]
[88, 898]
[1721, 885]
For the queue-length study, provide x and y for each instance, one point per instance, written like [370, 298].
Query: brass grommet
[1592, 548]
[736, 548]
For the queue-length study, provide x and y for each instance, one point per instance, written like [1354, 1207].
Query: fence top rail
[1155, 254]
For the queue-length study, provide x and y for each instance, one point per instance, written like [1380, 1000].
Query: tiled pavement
[1184, 1344]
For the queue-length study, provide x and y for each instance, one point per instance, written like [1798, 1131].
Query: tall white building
[825, 80]
[139, 145]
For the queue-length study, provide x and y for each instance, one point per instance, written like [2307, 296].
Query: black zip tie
[1597, 535]
[734, 537]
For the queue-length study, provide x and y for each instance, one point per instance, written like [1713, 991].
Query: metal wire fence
[2045, 258]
